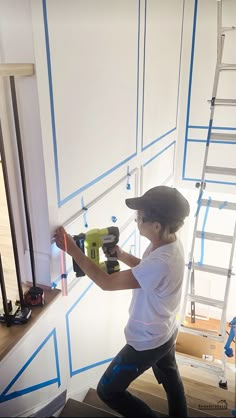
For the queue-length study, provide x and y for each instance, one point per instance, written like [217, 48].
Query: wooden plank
[16, 69]
[10, 336]
[75, 408]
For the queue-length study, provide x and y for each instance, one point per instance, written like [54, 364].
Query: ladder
[189, 294]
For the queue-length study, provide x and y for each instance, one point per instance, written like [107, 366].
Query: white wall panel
[98, 216]
[162, 44]
[91, 332]
[159, 168]
[97, 81]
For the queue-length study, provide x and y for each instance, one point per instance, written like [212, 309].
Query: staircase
[204, 400]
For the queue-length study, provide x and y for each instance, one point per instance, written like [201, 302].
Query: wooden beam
[16, 69]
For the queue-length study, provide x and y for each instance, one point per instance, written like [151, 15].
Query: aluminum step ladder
[189, 294]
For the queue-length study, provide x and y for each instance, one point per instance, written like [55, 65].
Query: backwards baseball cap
[163, 203]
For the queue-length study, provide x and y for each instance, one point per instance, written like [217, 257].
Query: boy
[157, 279]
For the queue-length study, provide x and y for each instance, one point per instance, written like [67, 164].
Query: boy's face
[143, 225]
[147, 229]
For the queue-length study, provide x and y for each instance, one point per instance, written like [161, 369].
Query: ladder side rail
[190, 261]
[220, 45]
[227, 287]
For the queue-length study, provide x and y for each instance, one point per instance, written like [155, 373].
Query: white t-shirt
[153, 308]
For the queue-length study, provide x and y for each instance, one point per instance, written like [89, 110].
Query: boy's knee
[101, 391]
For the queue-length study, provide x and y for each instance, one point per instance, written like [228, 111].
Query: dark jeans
[128, 365]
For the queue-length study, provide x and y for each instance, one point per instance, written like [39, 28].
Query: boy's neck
[163, 241]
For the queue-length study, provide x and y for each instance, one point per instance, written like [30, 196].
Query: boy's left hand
[64, 241]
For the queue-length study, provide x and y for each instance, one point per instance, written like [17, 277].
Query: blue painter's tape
[144, 67]
[203, 231]
[199, 202]
[5, 396]
[54, 135]
[180, 60]
[82, 369]
[158, 154]
[225, 128]
[91, 366]
[212, 141]
[159, 138]
[30, 389]
[138, 75]
[61, 202]
[223, 205]
[84, 212]
[58, 279]
[91, 183]
[68, 328]
[190, 86]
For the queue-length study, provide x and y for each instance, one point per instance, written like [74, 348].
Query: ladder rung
[224, 102]
[206, 301]
[219, 204]
[201, 332]
[214, 237]
[220, 170]
[224, 137]
[223, 67]
[211, 269]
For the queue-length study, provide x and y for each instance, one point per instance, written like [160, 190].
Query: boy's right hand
[115, 251]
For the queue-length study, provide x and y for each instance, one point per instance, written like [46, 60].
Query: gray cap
[163, 202]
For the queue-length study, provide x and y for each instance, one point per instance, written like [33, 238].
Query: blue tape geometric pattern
[6, 396]
[73, 371]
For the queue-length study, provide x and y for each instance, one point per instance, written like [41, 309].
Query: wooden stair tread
[157, 403]
[160, 404]
[195, 396]
[93, 399]
[193, 385]
[75, 408]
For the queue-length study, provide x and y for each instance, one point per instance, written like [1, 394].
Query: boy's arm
[128, 259]
[116, 281]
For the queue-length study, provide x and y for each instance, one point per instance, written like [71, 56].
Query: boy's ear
[158, 226]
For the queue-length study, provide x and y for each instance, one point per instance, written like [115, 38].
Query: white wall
[107, 76]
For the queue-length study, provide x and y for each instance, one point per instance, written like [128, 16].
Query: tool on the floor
[190, 292]
[91, 242]
[35, 295]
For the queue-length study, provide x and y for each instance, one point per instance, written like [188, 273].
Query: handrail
[7, 70]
